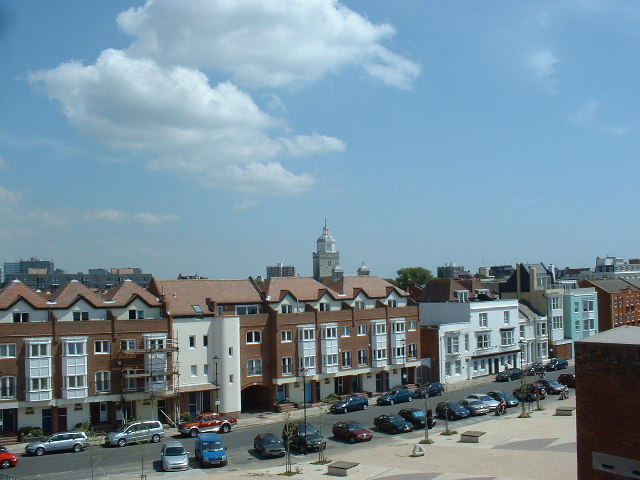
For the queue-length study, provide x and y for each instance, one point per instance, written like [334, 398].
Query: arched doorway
[257, 398]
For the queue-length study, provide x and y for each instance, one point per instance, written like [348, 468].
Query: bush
[83, 427]
[331, 398]
[185, 417]
[31, 431]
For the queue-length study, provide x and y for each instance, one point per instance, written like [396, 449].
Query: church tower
[326, 258]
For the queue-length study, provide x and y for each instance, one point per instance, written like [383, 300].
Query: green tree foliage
[418, 275]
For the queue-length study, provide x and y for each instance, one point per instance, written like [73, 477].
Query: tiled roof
[440, 290]
[372, 286]
[612, 285]
[68, 294]
[302, 288]
[15, 290]
[123, 293]
[181, 295]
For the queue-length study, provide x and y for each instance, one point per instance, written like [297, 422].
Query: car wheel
[344, 410]
[122, 442]
[226, 428]
[395, 430]
[155, 438]
[303, 450]
[77, 448]
[193, 433]
[5, 464]
[543, 391]
[391, 402]
[352, 439]
[39, 451]
[364, 407]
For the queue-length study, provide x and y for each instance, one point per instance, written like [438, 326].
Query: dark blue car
[350, 404]
[451, 410]
[430, 390]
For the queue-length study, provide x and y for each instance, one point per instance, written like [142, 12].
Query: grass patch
[426, 441]
[449, 432]
[320, 462]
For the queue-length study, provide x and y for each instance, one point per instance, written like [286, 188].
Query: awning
[201, 387]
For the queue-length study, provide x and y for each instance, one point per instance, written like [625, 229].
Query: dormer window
[462, 295]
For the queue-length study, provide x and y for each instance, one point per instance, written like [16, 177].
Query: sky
[215, 137]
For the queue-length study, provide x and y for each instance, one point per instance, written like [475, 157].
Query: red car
[568, 379]
[7, 459]
[351, 431]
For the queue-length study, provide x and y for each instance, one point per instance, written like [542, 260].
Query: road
[128, 460]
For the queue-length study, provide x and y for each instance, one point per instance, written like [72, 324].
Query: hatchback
[556, 364]
[351, 431]
[59, 442]
[451, 411]
[397, 395]
[568, 379]
[475, 407]
[507, 397]
[174, 456]
[491, 402]
[269, 445]
[350, 404]
[430, 390]
[7, 459]
[510, 374]
[142, 431]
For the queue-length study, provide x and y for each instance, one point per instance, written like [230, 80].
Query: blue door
[281, 393]
[46, 420]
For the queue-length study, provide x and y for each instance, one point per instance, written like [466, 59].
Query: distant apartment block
[451, 270]
[96, 278]
[281, 270]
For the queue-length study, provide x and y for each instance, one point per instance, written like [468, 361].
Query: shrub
[185, 417]
[31, 431]
[331, 398]
[83, 427]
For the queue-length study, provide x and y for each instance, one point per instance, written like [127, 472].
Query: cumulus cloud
[265, 43]
[8, 197]
[543, 63]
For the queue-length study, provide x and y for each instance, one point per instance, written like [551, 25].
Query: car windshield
[355, 426]
[198, 419]
[396, 418]
[212, 446]
[310, 429]
[174, 451]
[271, 439]
[484, 398]
[417, 413]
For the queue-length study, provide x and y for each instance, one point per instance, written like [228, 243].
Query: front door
[62, 419]
[193, 409]
[46, 420]
[104, 412]
[162, 410]
[7, 420]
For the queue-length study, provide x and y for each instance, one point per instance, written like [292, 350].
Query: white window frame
[507, 338]
[380, 328]
[254, 337]
[8, 387]
[483, 319]
[101, 347]
[286, 365]
[413, 325]
[286, 336]
[413, 350]
[346, 359]
[484, 341]
[329, 333]
[363, 357]
[7, 350]
[346, 331]
[399, 327]
[103, 381]
[254, 367]
[308, 334]
[362, 329]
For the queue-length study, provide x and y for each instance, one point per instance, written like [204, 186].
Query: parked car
[269, 445]
[433, 389]
[568, 379]
[59, 442]
[529, 391]
[303, 437]
[207, 422]
[507, 397]
[7, 459]
[142, 431]
[553, 386]
[350, 404]
[509, 374]
[397, 395]
[491, 402]
[556, 364]
[392, 424]
[535, 369]
[210, 450]
[174, 456]
[451, 410]
[351, 431]
[475, 407]
[417, 417]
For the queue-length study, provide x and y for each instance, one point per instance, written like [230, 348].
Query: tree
[418, 275]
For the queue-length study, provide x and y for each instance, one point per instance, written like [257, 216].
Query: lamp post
[216, 359]
[522, 343]
[303, 373]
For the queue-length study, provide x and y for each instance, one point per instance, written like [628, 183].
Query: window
[254, 336]
[192, 341]
[246, 309]
[198, 310]
[8, 387]
[360, 305]
[130, 383]
[7, 350]
[556, 302]
[412, 325]
[102, 346]
[507, 338]
[205, 340]
[413, 350]
[458, 367]
[308, 334]
[287, 366]
[576, 307]
[220, 310]
[231, 351]
[205, 369]
[308, 362]
[483, 318]
[542, 328]
[398, 327]
[286, 308]
[136, 314]
[453, 344]
[330, 360]
[557, 321]
[380, 328]
[380, 354]
[231, 378]
[103, 382]
[254, 367]
[74, 348]
[20, 317]
[329, 333]
[286, 336]
[466, 342]
[522, 331]
[399, 351]
[128, 344]
[346, 359]
[587, 305]
[80, 316]
[194, 370]
[39, 350]
[346, 331]
[447, 369]
[507, 317]
[363, 357]
[462, 295]
[324, 306]
[39, 384]
[484, 341]
[577, 325]
[362, 330]
[392, 303]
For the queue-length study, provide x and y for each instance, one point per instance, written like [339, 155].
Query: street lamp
[216, 359]
[522, 344]
[303, 372]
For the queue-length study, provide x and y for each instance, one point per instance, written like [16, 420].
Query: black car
[509, 374]
[392, 424]
[557, 364]
[303, 437]
[529, 392]
[553, 386]
[507, 397]
[535, 369]
[451, 410]
[417, 417]
[268, 445]
[433, 389]
[350, 404]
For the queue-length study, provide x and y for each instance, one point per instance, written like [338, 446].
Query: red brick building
[618, 302]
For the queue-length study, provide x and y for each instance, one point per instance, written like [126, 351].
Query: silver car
[58, 442]
[136, 432]
[492, 403]
[174, 456]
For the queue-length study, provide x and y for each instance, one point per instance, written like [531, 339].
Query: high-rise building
[281, 270]
[326, 259]
[451, 270]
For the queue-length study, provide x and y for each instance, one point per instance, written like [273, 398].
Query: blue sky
[215, 137]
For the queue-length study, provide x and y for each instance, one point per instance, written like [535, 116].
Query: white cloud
[173, 114]
[543, 63]
[265, 42]
[110, 215]
[7, 197]
[153, 218]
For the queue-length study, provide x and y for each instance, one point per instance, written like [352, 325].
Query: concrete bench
[342, 469]
[565, 411]
[471, 436]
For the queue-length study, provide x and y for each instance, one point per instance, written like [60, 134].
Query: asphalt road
[128, 460]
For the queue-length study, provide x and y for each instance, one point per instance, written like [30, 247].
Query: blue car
[350, 404]
[451, 410]
[397, 395]
[210, 450]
